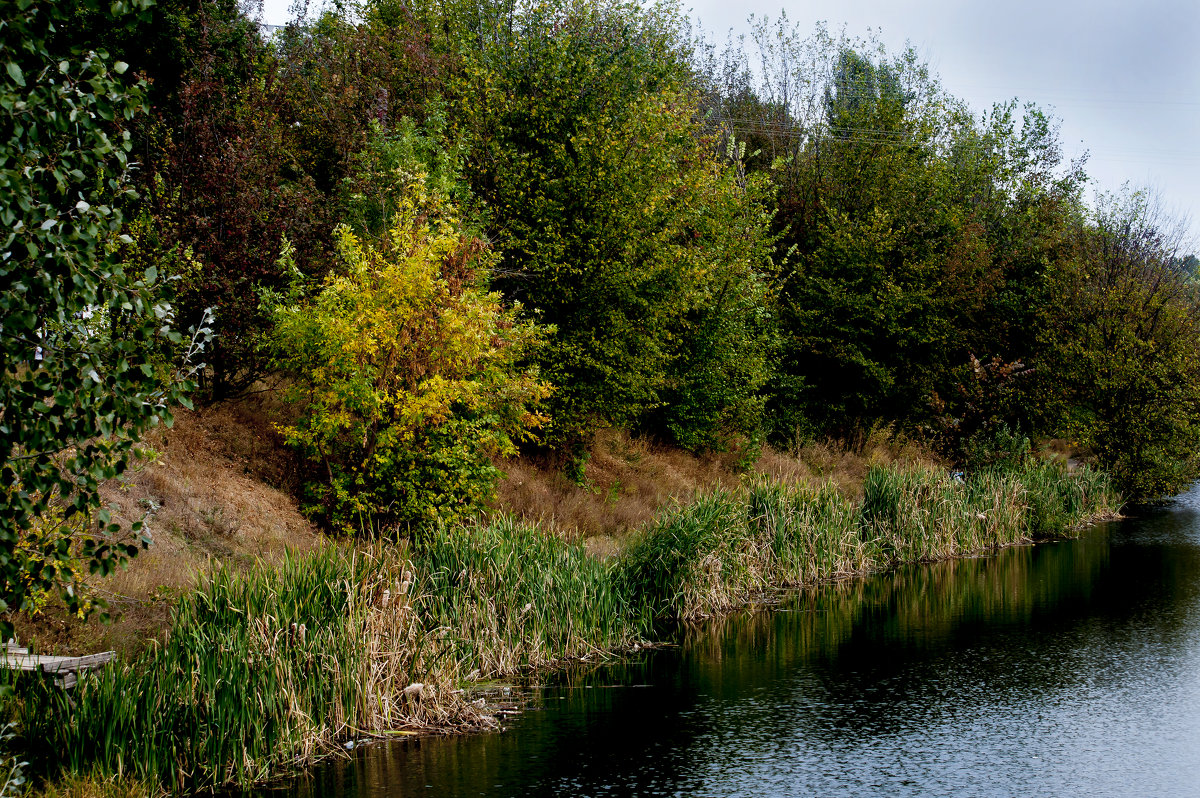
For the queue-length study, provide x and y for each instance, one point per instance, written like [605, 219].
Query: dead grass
[220, 487]
[845, 464]
[630, 480]
[206, 495]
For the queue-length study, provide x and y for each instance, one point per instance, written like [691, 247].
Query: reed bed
[692, 556]
[260, 672]
[264, 671]
[705, 558]
[506, 597]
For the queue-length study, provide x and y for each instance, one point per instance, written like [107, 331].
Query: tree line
[455, 229]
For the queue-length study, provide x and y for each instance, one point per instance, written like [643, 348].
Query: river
[1060, 669]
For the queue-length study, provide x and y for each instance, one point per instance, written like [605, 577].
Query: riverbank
[267, 669]
[976, 674]
[219, 490]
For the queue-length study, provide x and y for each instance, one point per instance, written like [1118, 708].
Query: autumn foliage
[459, 230]
[407, 374]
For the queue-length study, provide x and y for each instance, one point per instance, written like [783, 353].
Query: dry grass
[628, 480]
[631, 480]
[839, 462]
[220, 488]
[206, 498]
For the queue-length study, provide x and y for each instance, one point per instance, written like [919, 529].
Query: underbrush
[267, 669]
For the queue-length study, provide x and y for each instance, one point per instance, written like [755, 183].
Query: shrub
[999, 449]
[405, 374]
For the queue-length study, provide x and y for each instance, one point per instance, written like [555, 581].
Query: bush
[405, 374]
[998, 449]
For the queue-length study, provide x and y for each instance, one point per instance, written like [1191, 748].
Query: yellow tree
[407, 374]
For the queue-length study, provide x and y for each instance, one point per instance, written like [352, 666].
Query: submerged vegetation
[267, 669]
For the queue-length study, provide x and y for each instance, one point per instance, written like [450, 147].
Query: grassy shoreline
[265, 671]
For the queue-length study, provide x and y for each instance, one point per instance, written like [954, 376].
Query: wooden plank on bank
[65, 669]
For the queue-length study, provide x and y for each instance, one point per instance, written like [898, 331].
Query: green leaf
[15, 73]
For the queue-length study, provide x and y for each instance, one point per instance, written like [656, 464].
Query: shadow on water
[1059, 669]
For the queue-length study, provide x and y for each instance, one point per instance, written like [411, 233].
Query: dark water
[1060, 670]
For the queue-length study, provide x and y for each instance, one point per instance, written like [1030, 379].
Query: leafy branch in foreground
[77, 330]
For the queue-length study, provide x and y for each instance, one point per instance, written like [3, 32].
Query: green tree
[714, 390]
[885, 259]
[76, 390]
[1118, 365]
[921, 236]
[603, 195]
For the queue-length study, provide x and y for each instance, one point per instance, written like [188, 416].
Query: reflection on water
[1063, 669]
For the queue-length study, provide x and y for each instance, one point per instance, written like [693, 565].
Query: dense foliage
[83, 337]
[406, 367]
[1118, 353]
[947, 274]
[617, 221]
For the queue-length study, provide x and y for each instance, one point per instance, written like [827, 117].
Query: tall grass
[923, 514]
[1056, 501]
[701, 559]
[812, 533]
[507, 596]
[265, 670]
[692, 555]
[258, 670]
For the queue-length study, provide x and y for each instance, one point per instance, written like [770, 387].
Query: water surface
[1059, 669]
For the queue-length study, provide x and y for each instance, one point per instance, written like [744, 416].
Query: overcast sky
[1124, 77]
